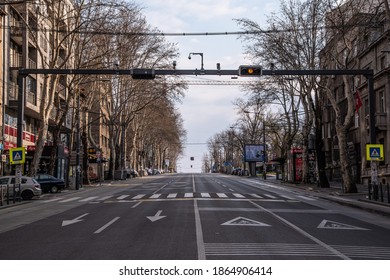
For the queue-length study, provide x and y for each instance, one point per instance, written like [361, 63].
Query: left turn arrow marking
[75, 220]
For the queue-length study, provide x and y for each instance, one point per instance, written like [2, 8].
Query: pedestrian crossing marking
[168, 196]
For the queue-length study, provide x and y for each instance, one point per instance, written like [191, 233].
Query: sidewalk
[335, 193]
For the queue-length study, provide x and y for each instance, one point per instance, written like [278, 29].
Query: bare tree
[293, 41]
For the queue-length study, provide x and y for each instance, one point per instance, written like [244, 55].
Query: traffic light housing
[143, 74]
[249, 71]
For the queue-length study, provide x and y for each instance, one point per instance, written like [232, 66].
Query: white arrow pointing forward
[156, 217]
[75, 220]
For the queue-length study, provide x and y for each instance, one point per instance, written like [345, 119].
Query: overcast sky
[206, 110]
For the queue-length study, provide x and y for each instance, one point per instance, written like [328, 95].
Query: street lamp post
[77, 181]
[265, 153]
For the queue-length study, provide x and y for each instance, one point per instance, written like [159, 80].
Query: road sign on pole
[17, 155]
[374, 152]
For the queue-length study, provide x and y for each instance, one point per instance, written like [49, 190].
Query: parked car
[50, 183]
[236, 171]
[29, 187]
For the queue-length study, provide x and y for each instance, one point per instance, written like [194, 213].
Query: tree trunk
[321, 160]
[349, 185]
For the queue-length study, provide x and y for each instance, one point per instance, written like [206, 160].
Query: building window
[382, 62]
[382, 101]
[31, 90]
[356, 119]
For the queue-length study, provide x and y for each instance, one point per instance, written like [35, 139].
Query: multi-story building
[27, 35]
[369, 48]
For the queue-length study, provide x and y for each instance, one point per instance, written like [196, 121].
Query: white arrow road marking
[156, 217]
[76, 220]
[107, 225]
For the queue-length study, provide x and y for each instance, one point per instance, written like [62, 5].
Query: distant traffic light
[143, 74]
[249, 71]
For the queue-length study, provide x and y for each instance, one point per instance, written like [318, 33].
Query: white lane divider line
[106, 225]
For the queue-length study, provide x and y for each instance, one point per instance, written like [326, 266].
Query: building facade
[34, 37]
[368, 47]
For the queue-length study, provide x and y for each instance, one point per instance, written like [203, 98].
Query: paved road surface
[190, 216]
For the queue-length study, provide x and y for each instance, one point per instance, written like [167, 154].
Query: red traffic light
[249, 70]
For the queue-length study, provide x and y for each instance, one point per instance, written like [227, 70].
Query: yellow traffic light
[249, 70]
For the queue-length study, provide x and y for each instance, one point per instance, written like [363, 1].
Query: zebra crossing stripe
[255, 195]
[88, 199]
[51, 200]
[188, 195]
[156, 195]
[105, 197]
[70, 199]
[139, 196]
[306, 197]
[205, 195]
[122, 197]
[269, 196]
[238, 195]
[172, 195]
[222, 195]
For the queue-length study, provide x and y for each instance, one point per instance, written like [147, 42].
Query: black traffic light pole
[257, 71]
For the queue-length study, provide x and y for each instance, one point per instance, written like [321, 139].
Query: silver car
[29, 187]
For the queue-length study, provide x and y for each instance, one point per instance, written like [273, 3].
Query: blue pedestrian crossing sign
[17, 155]
[374, 152]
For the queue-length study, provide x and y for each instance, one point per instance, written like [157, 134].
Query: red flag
[358, 101]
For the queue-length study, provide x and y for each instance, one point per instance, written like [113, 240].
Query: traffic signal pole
[255, 71]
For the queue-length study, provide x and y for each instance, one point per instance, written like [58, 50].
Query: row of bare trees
[303, 35]
[144, 125]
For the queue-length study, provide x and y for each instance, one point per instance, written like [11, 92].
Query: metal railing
[379, 192]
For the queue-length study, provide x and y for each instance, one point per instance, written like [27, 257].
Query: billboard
[254, 153]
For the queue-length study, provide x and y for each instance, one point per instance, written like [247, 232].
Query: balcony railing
[17, 29]
[381, 121]
[32, 64]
